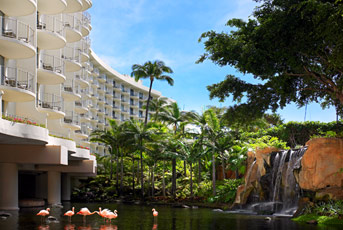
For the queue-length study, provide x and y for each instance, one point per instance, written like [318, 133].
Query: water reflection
[139, 217]
[70, 227]
[108, 227]
[43, 227]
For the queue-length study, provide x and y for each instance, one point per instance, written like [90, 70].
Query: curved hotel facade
[54, 91]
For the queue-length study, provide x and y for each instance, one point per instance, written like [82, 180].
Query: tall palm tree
[174, 116]
[137, 133]
[153, 70]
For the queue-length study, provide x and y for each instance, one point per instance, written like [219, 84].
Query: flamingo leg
[84, 219]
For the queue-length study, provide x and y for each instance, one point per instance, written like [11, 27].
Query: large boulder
[322, 164]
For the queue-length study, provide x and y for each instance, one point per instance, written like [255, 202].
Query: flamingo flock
[106, 214]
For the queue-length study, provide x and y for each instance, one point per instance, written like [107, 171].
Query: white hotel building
[50, 77]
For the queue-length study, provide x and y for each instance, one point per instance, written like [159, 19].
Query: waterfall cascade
[277, 191]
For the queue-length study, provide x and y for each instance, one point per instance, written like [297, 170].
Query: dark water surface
[140, 217]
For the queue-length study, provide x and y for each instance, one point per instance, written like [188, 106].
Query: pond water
[140, 217]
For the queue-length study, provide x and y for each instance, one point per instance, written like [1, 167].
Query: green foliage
[322, 220]
[267, 141]
[293, 49]
[326, 208]
[226, 190]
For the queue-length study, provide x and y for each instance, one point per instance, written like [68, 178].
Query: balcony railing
[51, 101]
[12, 28]
[17, 78]
[71, 87]
[72, 118]
[72, 22]
[86, 19]
[71, 54]
[51, 63]
[51, 24]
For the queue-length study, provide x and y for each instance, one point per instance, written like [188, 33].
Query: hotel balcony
[50, 32]
[70, 91]
[101, 111]
[71, 121]
[134, 95]
[116, 108]
[102, 89]
[125, 91]
[72, 25]
[95, 95]
[84, 50]
[134, 105]
[73, 6]
[124, 101]
[101, 101]
[117, 88]
[82, 80]
[50, 70]
[18, 7]
[94, 119]
[72, 59]
[108, 94]
[95, 72]
[85, 117]
[17, 85]
[108, 103]
[86, 24]
[86, 4]
[125, 111]
[82, 133]
[81, 107]
[52, 105]
[102, 78]
[116, 98]
[51, 6]
[17, 39]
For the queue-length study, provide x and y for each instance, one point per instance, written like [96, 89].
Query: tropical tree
[111, 139]
[137, 133]
[294, 50]
[175, 117]
[152, 70]
[158, 105]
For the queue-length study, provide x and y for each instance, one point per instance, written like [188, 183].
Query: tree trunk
[185, 168]
[148, 101]
[163, 179]
[142, 183]
[111, 167]
[199, 172]
[133, 176]
[121, 173]
[191, 171]
[223, 168]
[117, 172]
[213, 175]
[153, 181]
[138, 173]
[174, 178]
[149, 180]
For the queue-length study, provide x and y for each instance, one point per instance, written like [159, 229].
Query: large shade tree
[294, 50]
[152, 70]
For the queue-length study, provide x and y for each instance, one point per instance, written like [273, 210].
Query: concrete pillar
[66, 187]
[54, 187]
[8, 186]
[1, 93]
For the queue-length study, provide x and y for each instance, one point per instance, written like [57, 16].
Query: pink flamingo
[103, 213]
[85, 212]
[154, 212]
[43, 213]
[112, 215]
[70, 213]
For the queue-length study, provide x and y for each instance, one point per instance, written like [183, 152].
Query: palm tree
[137, 133]
[158, 105]
[174, 116]
[110, 138]
[153, 70]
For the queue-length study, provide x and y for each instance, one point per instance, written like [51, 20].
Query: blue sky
[127, 32]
